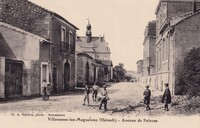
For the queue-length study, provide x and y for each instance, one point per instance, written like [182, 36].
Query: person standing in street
[104, 98]
[166, 98]
[86, 94]
[44, 90]
[95, 91]
[147, 95]
[48, 90]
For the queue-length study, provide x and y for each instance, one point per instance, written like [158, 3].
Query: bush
[192, 72]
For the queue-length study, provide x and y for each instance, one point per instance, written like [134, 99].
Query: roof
[53, 13]
[94, 40]
[22, 31]
[106, 62]
[139, 61]
[98, 44]
[85, 54]
[178, 19]
[151, 29]
[160, 1]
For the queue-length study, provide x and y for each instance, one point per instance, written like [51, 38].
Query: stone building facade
[24, 59]
[177, 33]
[93, 59]
[139, 71]
[147, 66]
[46, 24]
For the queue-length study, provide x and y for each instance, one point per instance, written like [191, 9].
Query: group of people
[166, 98]
[103, 98]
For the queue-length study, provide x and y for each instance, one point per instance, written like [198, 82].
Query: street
[125, 99]
[121, 95]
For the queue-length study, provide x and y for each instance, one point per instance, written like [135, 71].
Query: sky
[122, 22]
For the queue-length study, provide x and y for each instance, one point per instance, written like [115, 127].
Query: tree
[119, 72]
[192, 72]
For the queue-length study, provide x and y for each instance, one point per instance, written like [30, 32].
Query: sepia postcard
[99, 63]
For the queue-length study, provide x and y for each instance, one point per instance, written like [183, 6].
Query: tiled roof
[54, 13]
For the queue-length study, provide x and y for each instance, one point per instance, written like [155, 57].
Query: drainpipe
[194, 6]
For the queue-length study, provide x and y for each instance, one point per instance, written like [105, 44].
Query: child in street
[147, 95]
[104, 98]
[48, 90]
[95, 91]
[86, 94]
[44, 89]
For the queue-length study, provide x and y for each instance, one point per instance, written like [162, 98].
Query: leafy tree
[119, 72]
[192, 72]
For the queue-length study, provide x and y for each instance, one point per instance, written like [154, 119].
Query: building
[49, 25]
[93, 59]
[147, 66]
[139, 71]
[149, 54]
[24, 62]
[177, 33]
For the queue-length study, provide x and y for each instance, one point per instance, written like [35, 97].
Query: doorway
[55, 79]
[66, 76]
[13, 78]
[44, 73]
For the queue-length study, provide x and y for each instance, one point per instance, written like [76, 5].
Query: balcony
[67, 48]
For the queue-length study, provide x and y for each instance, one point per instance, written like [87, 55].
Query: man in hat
[104, 98]
[166, 99]
[147, 95]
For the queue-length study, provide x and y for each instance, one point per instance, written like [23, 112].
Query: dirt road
[121, 95]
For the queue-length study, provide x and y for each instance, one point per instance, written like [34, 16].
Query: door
[66, 76]
[54, 79]
[13, 78]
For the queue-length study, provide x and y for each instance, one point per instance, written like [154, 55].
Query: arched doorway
[66, 76]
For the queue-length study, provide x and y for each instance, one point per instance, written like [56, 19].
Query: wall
[152, 54]
[58, 56]
[186, 37]
[23, 46]
[25, 15]
[179, 8]
[81, 69]
[2, 77]
[19, 45]
[161, 16]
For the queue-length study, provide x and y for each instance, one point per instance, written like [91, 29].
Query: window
[63, 34]
[64, 41]
[71, 37]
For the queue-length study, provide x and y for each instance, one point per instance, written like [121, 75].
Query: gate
[13, 78]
